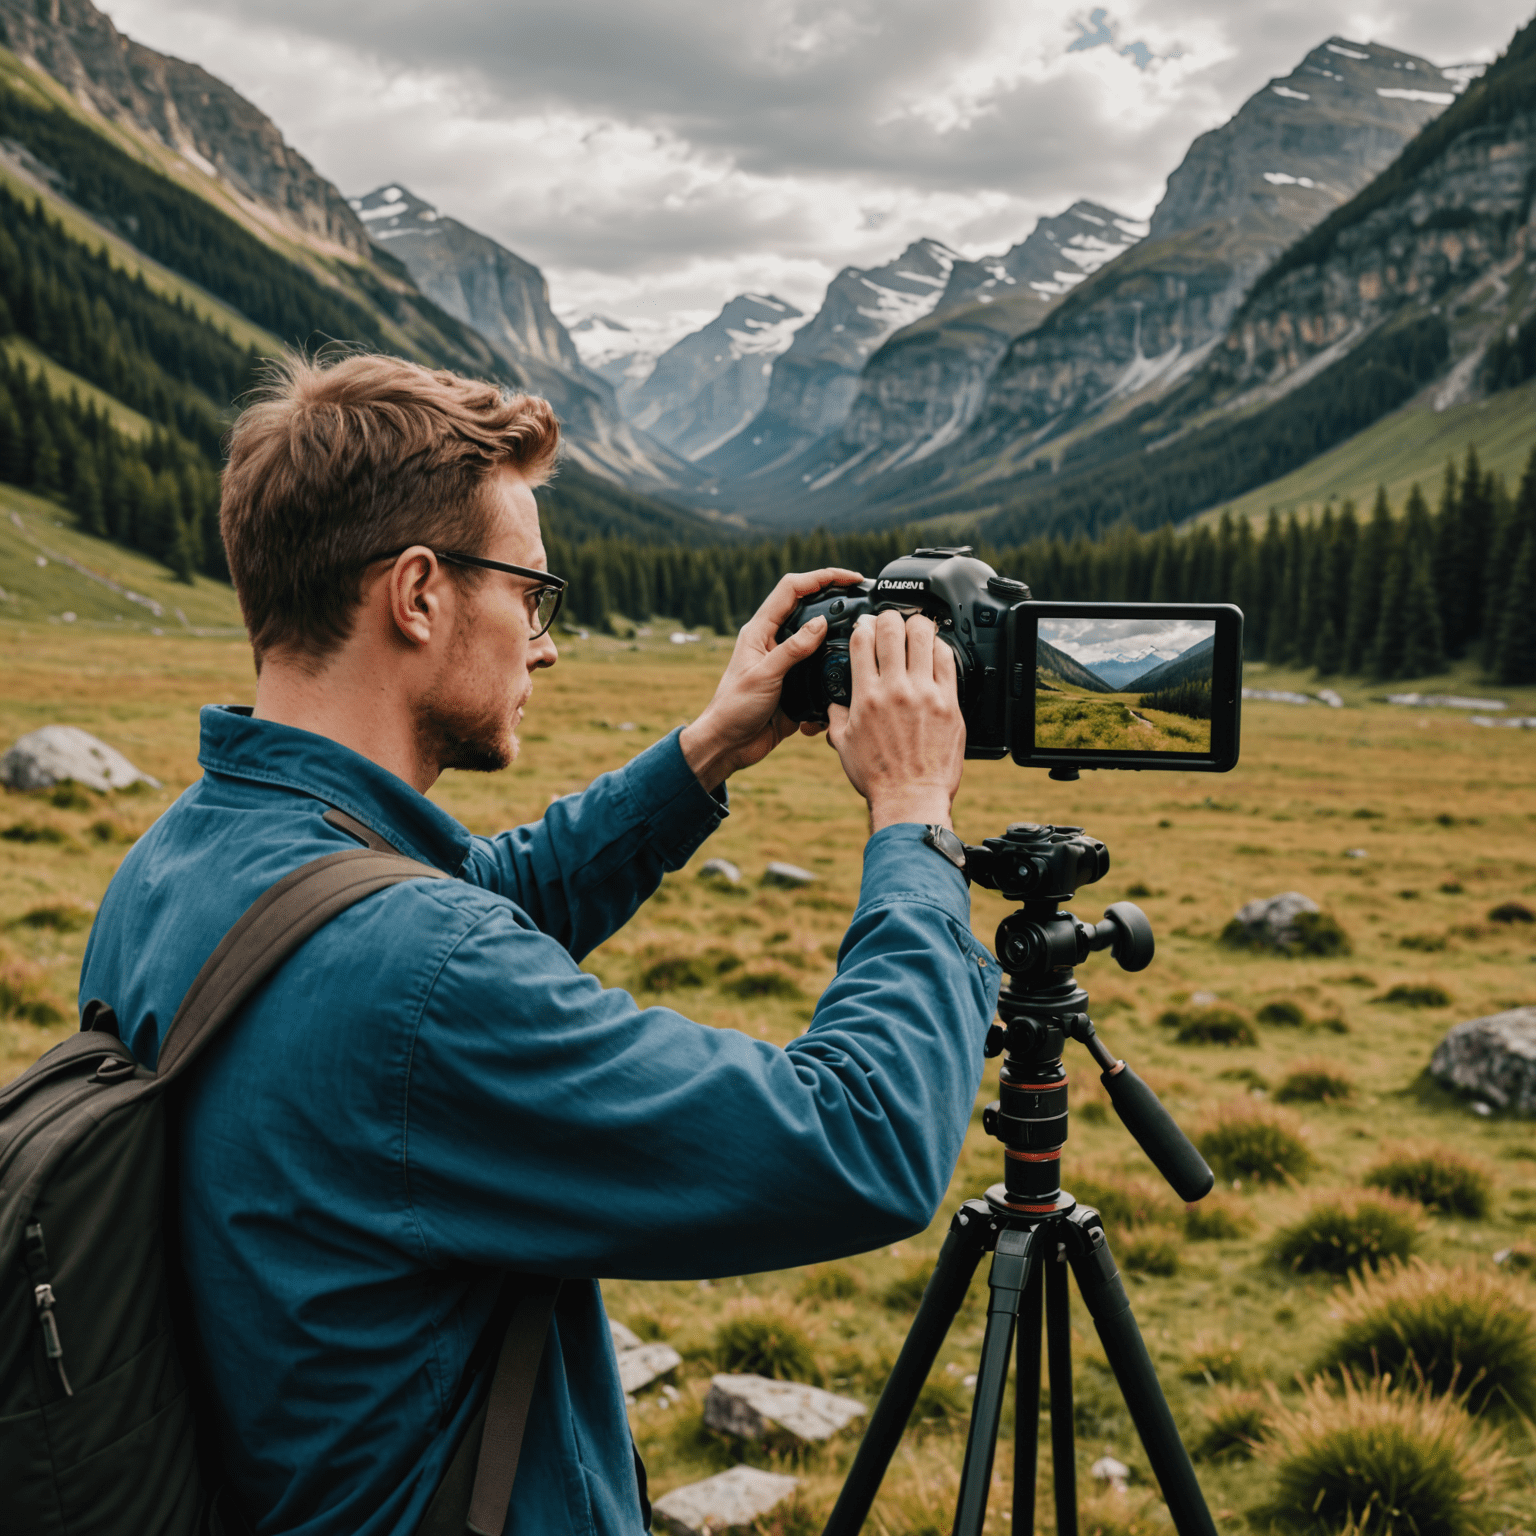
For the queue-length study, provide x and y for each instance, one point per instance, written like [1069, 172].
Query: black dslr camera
[1054, 685]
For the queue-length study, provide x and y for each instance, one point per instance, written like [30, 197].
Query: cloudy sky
[655, 157]
[1091, 640]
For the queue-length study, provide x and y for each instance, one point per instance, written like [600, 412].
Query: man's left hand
[743, 723]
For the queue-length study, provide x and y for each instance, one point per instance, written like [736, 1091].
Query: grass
[1349, 1232]
[1439, 1178]
[1114, 722]
[1458, 1332]
[1316, 1082]
[1304, 773]
[765, 1339]
[1209, 1026]
[1246, 1140]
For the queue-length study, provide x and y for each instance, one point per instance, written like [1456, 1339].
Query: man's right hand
[902, 742]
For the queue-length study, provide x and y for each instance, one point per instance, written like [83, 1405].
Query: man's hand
[902, 742]
[743, 723]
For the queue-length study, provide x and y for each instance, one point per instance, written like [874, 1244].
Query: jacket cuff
[900, 866]
[678, 812]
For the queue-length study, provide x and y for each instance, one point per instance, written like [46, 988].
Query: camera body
[965, 598]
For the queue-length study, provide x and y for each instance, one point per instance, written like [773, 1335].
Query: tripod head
[1042, 1006]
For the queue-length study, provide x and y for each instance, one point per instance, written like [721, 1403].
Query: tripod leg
[1099, 1281]
[1058, 1337]
[1012, 1261]
[970, 1235]
[1026, 1387]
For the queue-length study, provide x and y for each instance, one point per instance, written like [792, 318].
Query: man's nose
[542, 653]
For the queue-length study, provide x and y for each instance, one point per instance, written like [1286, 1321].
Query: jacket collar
[240, 747]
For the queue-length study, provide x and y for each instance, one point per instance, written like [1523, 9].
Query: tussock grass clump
[1409, 995]
[673, 971]
[1124, 1202]
[1512, 912]
[830, 1282]
[1316, 1082]
[1390, 1463]
[906, 1290]
[764, 1338]
[1466, 1334]
[33, 832]
[1439, 1178]
[1248, 1140]
[69, 796]
[1235, 1423]
[1215, 1220]
[61, 916]
[1217, 1360]
[23, 996]
[762, 984]
[1347, 1233]
[943, 1404]
[1209, 1026]
[1285, 1014]
[1152, 1253]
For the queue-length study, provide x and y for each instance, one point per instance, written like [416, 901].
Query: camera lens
[839, 680]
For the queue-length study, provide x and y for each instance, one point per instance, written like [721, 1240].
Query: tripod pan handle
[1157, 1134]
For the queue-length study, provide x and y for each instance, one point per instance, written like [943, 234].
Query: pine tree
[45, 459]
[1327, 652]
[1513, 523]
[1515, 661]
[1386, 655]
[85, 494]
[1423, 647]
[1366, 579]
[718, 609]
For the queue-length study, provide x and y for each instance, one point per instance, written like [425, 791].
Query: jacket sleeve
[555, 1126]
[582, 871]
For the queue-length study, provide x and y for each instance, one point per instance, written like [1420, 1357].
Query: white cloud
[655, 157]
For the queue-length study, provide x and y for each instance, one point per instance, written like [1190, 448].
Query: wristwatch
[945, 843]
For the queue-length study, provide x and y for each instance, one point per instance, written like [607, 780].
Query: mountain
[1120, 670]
[924, 386]
[815, 379]
[707, 387]
[1191, 666]
[1052, 665]
[506, 300]
[1417, 287]
[615, 353]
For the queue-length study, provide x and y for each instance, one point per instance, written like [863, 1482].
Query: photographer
[431, 1093]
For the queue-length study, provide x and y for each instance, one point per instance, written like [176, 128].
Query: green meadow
[1409, 827]
[1069, 717]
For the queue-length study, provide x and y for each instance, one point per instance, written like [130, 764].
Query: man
[430, 1092]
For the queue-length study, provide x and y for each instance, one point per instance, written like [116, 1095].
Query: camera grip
[1157, 1133]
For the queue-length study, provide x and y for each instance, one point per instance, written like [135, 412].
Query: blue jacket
[431, 1091]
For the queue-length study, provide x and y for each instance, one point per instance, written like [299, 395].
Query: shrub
[1214, 1220]
[764, 1339]
[1235, 1423]
[61, 916]
[1437, 1177]
[1315, 1082]
[1124, 1202]
[1342, 1234]
[1512, 912]
[1247, 1140]
[829, 1282]
[1461, 1333]
[1391, 1463]
[1287, 1015]
[1152, 1253]
[1407, 995]
[1209, 1026]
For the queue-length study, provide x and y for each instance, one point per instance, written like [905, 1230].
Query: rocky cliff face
[707, 387]
[506, 300]
[1449, 234]
[815, 380]
[923, 388]
[183, 108]
[1296, 150]
[612, 351]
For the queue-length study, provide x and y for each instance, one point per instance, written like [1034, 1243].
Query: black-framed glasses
[543, 599]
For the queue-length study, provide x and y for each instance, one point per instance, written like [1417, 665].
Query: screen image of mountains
[1124, 685]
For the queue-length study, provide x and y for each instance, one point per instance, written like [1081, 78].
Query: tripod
[1032, 1228]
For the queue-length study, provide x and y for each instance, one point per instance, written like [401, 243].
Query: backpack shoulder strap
[272, 927]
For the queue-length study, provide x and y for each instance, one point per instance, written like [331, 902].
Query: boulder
[720, 869]
[623, 1338]
[1289, 923]
[753, 1406]
[49, 756]
[787, 874]
[1492, 1057]
[725, 1502]
[1107, 1470]
[640, 1366]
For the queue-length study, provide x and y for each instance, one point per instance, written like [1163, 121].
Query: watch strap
[947, 846]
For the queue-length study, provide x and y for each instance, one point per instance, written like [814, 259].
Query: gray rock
[641, 1365]
[1493, 1057]
[1271, 920]
[721, 1503]
[787, 874]
[752, 1406]
[48, 756]
[1107, 1470]
[720, 869]
[623, 1338]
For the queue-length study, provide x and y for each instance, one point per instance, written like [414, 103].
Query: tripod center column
[1030, 1119]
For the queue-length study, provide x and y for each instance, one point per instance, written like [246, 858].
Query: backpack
[99, 1429]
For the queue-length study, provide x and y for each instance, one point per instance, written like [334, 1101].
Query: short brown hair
[337, 461]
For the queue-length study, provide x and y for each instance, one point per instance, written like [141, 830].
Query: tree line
[1377, 596]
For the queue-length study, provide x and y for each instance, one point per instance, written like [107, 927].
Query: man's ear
[413, 590]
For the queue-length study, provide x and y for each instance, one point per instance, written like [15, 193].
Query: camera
[1054, 685]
